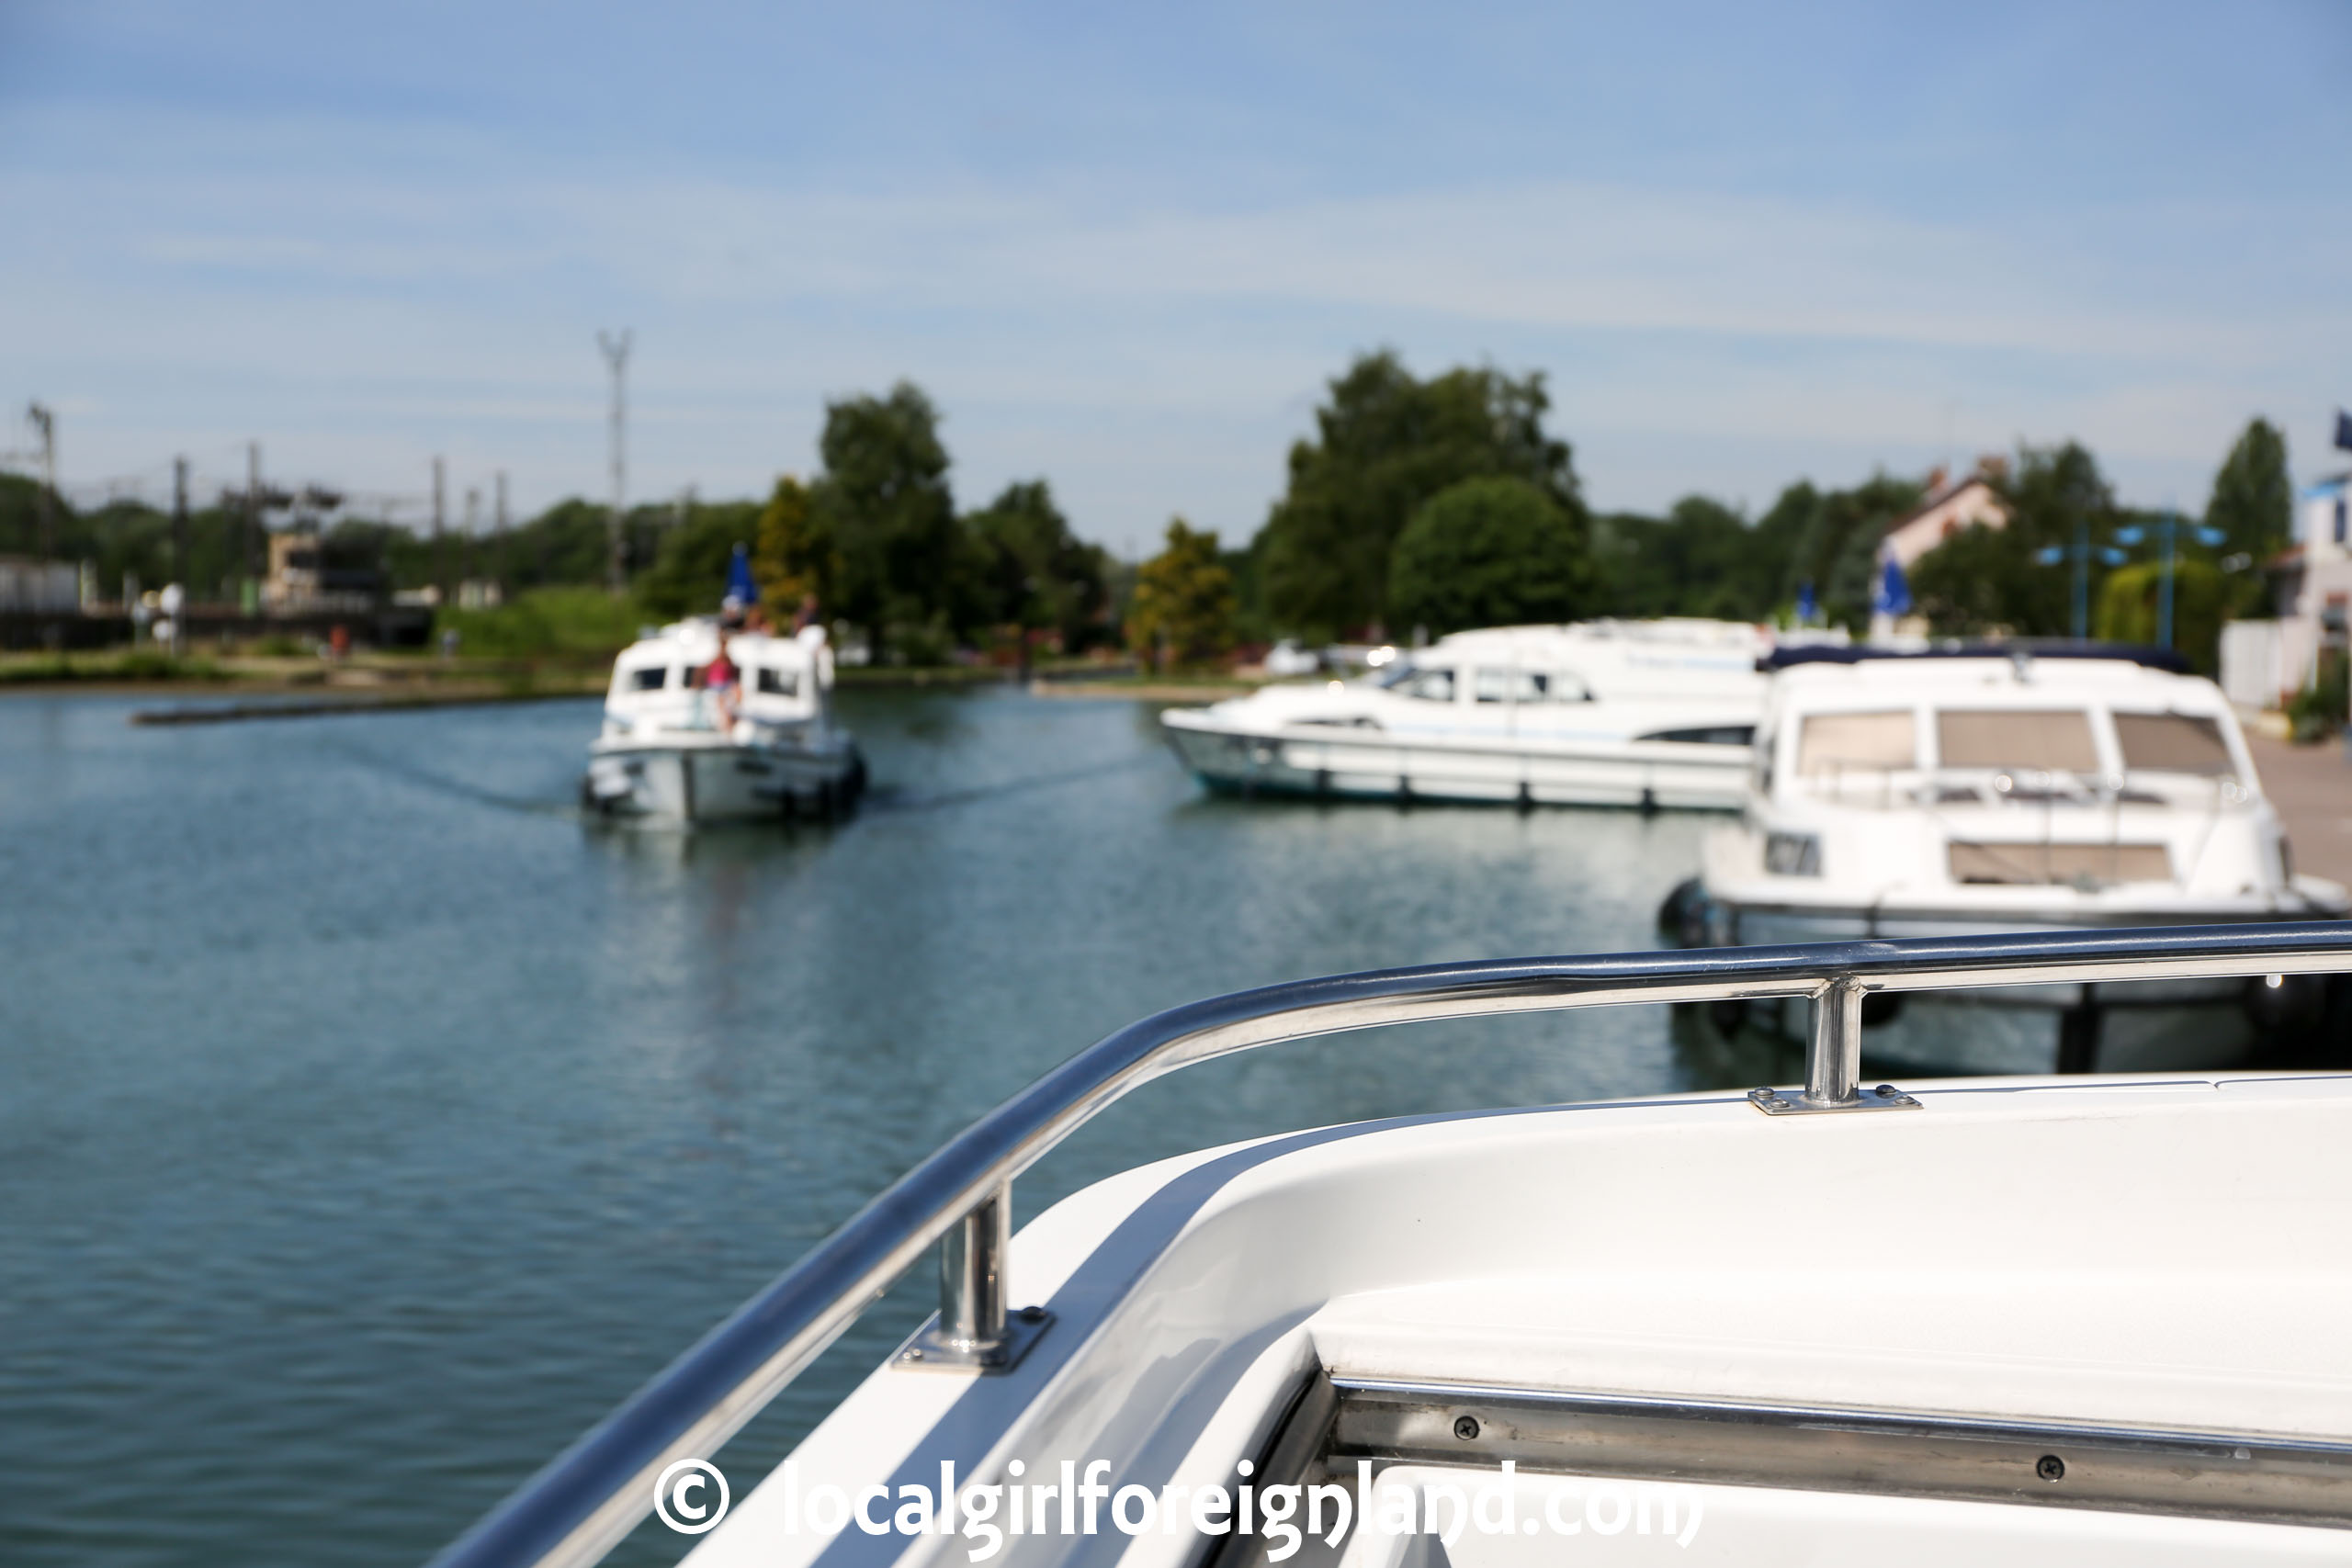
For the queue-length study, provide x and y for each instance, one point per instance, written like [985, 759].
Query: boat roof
[2010, 680]
[2145, 655]
[698, 638]
[1686, 629]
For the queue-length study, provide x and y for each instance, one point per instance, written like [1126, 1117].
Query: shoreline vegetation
[1412, 507]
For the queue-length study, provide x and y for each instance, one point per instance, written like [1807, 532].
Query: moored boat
[1603, 713]
[2050, 1321]
[673, 748]
[1981, 790]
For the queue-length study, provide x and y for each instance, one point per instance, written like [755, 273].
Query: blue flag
[1893, 596]
[739, 586]
[1807, 608]
[2344, 430]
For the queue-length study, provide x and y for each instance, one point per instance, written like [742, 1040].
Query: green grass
[548, 621]
[139, 664]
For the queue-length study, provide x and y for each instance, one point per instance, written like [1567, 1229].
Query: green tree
[1985, 580]
[2253, 506]
[885, 501]
[1384, 443]
[1702, 558]
[1493, 551]
[1035, 573]
[688, 576]
[1183, 605]
[1837, 546]
[794, 555]
[2130, 608]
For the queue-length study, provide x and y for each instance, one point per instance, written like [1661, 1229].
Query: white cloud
[1151, 357]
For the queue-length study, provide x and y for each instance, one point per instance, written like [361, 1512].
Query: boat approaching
[675, 748]
[1604, 713]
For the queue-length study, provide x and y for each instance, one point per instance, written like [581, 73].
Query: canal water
[372, 1124]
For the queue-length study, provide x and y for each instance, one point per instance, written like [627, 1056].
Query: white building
[1967, 502]
[2263, 663]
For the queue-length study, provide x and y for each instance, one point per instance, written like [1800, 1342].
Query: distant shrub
[548, 621]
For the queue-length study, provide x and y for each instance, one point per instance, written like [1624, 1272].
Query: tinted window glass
[1435, 685]
[1839, 742]
[1510, 686]
[778, 682]
[2173, 743]
[647, 679]
[2012, 737]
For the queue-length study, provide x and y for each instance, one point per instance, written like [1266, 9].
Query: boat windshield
[2047, 741]
[2173, 743]
[1412, 680]
[1528, 686]
[1833, 743]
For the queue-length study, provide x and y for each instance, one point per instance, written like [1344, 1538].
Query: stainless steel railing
[592, 1494]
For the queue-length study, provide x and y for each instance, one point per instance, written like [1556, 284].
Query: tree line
[1423, 506]
[1414, 505]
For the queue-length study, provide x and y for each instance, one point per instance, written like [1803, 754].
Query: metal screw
[1884, 1091]
[2050, 1467]
[1033, 1315]
[1466, 1428]
[914, 1355]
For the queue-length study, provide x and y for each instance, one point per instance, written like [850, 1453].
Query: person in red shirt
[724, 682]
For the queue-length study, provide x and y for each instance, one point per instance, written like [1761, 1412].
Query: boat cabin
[1987, 730]
[1589, 662]
[659, 686]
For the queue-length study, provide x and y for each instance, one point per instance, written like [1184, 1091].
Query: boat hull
[720, 782]
[1340, 762]
[2144, 1026]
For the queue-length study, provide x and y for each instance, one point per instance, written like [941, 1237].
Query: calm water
[372, 1125]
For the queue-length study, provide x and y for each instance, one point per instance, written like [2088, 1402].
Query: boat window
[1567, 688]
[2173, 743]
[1432, 685]
[2015, 738]
[1836, 742]
[2058, 865]
[778, 682]
[1511, 686]
[648, 680]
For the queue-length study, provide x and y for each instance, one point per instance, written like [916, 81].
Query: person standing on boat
[723, 682]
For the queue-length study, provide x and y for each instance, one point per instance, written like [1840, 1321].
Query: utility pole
[44, 423]
[474, 526]
[498, 527]
[2082, 580]
[179, 522]
[2163, 593]
[249, 598]
[440, 521]
[616, 352]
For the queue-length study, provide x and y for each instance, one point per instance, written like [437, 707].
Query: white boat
[1603, 713]
[669, 753]
[1931, 794]
[2035, 1321]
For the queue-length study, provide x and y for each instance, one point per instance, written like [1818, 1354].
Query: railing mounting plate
[1885, 1097]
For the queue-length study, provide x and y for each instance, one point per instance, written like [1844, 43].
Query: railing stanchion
[971, 1275]
[1832, 1063]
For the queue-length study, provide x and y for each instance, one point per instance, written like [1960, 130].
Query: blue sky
[1127, 250]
